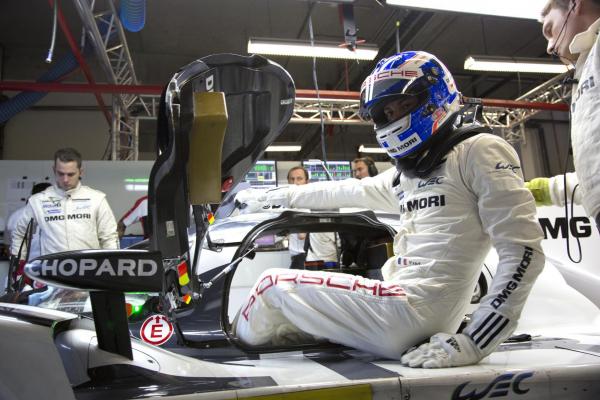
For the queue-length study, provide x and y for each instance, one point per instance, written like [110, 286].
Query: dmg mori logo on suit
[423, 202]
[69, 217]
[584, 86]
[513, 284]
[98, 268]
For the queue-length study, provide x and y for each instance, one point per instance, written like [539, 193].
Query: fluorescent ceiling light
[507, 64]
[530, 9]
[284, 147]
[365, 149]
[277, 47]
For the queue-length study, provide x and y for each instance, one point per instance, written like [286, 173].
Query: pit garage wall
[36, 135]
[66, 120]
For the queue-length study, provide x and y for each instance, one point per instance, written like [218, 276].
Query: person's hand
[540, 188]
[443, 350]
[257, 200]
[251, 200]
[120, 229]
[36, 298]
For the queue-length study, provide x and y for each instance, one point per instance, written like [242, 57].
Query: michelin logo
[93, 267]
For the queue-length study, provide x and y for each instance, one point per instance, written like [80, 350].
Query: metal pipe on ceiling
[300, 93]
[95, 88]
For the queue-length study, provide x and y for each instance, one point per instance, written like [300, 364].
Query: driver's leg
[367, 314]
[258, 322]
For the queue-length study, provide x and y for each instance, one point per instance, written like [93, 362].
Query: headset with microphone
[560, 36]
[371, 168]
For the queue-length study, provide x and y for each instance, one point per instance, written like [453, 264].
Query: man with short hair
[318, 246]
[297, 175]
[571, 28]
[70, 216]
[363, 167]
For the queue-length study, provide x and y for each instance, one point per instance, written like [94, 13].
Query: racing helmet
[408, 96]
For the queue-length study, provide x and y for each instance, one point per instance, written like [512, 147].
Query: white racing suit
[585, 123]
[449, 220]
[585, 117]
[557, 187]
[76, 219]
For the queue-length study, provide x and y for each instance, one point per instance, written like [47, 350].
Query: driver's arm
[106, 226]
[508, 215]
[374, 193]
[491, 170]
[18, 234]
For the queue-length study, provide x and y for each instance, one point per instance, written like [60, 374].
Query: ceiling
[178, 31]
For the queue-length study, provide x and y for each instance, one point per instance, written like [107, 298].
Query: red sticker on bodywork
[156, 330]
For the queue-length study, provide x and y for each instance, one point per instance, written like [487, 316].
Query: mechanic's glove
[36, 298]
[257, 200]
[540, 188]
[443, 350]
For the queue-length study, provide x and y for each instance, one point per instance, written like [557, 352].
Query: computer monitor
[339, 170]
[263, 174]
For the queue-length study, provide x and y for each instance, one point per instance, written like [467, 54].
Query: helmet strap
[432, 155]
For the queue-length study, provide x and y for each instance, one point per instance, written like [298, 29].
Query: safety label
[156, 330]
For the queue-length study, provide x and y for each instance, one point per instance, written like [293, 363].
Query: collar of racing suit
[67, 193]
[433, 154]
[582, 43]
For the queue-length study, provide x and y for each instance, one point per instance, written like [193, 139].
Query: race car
[177, 339]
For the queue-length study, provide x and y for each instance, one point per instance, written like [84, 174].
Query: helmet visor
[396, 107]
[403, 97]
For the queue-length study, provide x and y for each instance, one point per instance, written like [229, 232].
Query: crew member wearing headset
[571, 28]
[363, 167]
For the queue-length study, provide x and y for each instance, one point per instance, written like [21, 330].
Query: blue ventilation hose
[133, 14]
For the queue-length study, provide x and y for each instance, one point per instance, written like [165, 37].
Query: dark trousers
[298, 261]
[598, 222]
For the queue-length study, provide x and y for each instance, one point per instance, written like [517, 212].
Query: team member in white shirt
[571, 28]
